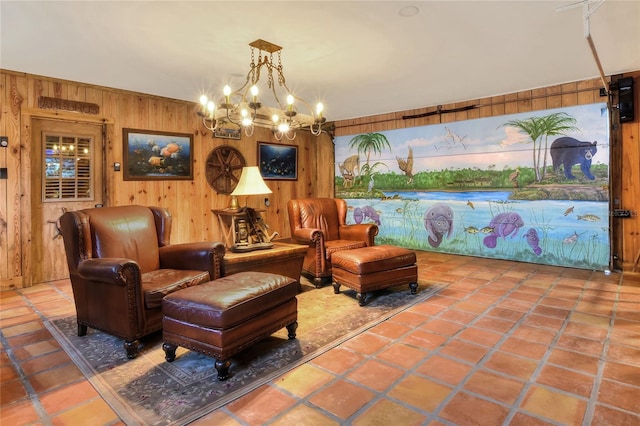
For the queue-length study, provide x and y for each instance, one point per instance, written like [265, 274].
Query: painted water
[554, 232]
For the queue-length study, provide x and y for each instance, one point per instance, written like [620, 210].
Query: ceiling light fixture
[244, 108]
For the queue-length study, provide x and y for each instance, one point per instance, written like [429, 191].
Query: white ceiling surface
[360, 58]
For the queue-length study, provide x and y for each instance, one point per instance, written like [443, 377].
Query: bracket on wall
[439, 110]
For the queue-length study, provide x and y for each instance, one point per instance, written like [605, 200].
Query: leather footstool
[221, 317]
[374, 268]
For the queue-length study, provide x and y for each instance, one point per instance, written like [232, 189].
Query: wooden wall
[190, 202]
[625, 144]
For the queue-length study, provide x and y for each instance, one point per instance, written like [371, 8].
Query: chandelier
[244, 108]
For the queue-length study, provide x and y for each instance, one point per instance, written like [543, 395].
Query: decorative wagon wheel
[223, 168]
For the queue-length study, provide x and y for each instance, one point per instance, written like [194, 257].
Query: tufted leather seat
[122, 265]
[320, 224]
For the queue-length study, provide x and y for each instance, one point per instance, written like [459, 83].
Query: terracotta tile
[494, 387]
[375, 375]
[506, 314]
[402, 355]
[553, 312]
[366, 343]
[580, 345]
[524, 347]
[494, 324]
[446, 328]
[8, 373]
[458, 316]
[409, 318]
[424, 339]
[442, 300]
[534, 334]
[482, 299]
[624, 354]
[525, 296]
[385, 412]
[587, 331]
[543, 322]
[260, 405]
[624, 373]
[12, 391]
[511, 365]
[68, 396]
[566, 380]
[556, 406]
[620, 395]
[24, 328]
[29, 316]
[420, 393]
[464, 351]
[55, 377]
[479, 336]
[299, 415]
[342, 398]
[338, 360]
[465, 409]
[472, 307]
[36, 349]
[45, 362]
[303, 380]
[94, 412]
[444, 369]
[426, 309]
[610, 416]
[574, 361]
[558, 302]
[391, 330]
[515, 305]
[521, 419]
[18, 414]
[218, 418]
[594, 320]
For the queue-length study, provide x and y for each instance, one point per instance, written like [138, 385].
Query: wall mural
[532, 187]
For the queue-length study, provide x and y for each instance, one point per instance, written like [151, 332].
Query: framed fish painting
[155, 155]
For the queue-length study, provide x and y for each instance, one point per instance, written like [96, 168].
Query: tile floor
[504, 343]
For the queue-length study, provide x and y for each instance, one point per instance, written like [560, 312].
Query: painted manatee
[533, 240]
[359, 214]
[438, 220]
[503, 225]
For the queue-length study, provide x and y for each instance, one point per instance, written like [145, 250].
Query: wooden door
[66, 174]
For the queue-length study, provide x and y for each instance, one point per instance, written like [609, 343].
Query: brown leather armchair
[121, 265]
[321, 224]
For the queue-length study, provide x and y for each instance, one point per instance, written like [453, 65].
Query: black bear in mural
[569, 151]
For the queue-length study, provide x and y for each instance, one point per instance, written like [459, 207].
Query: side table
[284, 259]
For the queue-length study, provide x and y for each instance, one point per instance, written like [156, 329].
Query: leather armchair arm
[204, 256]
[107, 270]
[359, 232]
[309, 235]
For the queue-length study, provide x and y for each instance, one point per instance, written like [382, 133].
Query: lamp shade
[251, 183]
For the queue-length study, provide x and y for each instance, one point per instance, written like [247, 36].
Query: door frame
[26, 154]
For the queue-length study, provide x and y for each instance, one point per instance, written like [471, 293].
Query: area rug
[151, 391]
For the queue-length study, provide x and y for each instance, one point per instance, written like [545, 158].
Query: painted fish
[568, 211]
[438, 221]
[471, 230]
[589, 217]
[533, 240]
[366, 212]
[571, 239]
[470, 204]
[504, 225]
[486, 230]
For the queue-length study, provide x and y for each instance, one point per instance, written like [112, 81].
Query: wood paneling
[190, 202]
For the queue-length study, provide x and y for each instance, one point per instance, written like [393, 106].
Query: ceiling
[359, 58]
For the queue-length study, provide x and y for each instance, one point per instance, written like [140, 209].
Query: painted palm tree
[539, 128]
[368, 143]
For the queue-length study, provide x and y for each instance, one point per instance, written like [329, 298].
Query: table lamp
[251, 183]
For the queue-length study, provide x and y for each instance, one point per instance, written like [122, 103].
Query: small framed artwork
[277, 161]
[155, 155]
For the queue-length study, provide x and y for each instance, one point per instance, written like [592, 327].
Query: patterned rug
[150, 391]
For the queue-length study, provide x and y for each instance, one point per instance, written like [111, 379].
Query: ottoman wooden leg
[169, 351]
[336, 288]
[361, 298]
[291, 328]
[413, 287]
[132, 348]
[222, 366]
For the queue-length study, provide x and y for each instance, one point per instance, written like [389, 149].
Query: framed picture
[278, 162]
[155, 155]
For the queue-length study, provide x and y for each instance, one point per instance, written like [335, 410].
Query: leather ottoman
[374, 268]
[221, 317]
